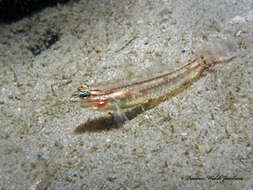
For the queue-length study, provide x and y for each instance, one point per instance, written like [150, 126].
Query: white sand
[204, 132]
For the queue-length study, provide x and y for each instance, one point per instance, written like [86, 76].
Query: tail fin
[218, 51]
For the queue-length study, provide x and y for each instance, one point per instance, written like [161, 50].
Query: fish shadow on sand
[109, 121]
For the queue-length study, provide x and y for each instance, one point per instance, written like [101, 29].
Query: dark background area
[13, 10]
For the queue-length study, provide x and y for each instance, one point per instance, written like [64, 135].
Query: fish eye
[84, 94]
[83, 91]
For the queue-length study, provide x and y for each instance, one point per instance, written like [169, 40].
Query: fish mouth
[76, 97]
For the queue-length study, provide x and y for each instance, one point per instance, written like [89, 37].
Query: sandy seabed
[198, 139]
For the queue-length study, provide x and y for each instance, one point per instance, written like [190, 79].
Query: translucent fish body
[113, 97]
